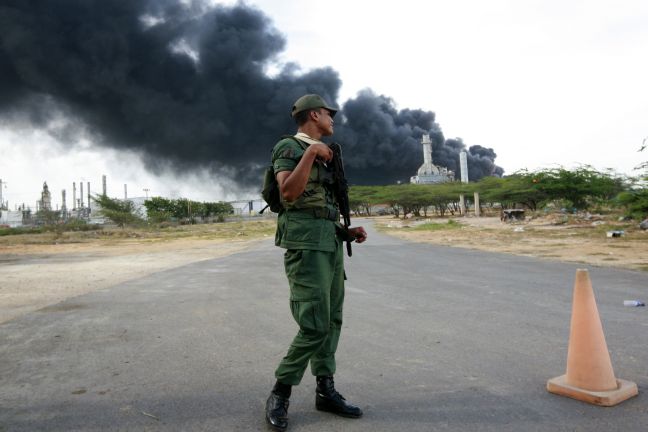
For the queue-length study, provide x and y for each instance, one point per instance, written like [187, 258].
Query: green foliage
[70, 225]
[581, 189]
[431, 226]
[519, 189]
[635, 202]
[21, 230]
[405, 198]
[361, 198]
[74, 224]
[163, 209]
[121, 212]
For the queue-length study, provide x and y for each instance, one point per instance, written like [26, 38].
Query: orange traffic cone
[589, 376]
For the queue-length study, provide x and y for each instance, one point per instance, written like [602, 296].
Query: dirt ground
[579, 239]
[35, 274]
[38, 273]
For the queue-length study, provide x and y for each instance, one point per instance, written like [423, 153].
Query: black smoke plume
[185, 84]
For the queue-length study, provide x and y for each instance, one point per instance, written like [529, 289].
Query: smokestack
[125, 192]
[463, 165]
[88, 195]
[81, 194]
[103, 182]
[63, 204]
[427, 149]
[74, 201]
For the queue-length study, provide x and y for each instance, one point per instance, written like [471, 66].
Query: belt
[320, 213]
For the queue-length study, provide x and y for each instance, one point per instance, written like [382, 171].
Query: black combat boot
[328, 399]
[276, 410]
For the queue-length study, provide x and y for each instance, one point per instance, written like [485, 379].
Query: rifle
[341, 190]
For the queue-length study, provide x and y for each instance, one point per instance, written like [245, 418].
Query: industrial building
[247, 207]
[429, 173]
[83, 207]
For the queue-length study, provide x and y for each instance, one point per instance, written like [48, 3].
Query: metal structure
[463, 166]
[63, 205]
[46, 199]
[429, 173]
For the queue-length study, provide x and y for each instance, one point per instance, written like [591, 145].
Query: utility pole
[3, 205]
[146, 191]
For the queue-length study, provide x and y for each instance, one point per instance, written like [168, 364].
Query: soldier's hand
[359, 233]
[322, 151]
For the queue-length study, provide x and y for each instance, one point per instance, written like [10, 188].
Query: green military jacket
[297, 226]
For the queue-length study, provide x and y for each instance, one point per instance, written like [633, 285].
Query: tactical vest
[318, 192]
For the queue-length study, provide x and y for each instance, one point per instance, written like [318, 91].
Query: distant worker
[309, 228]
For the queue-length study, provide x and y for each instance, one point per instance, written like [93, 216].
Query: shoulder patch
[288, 153]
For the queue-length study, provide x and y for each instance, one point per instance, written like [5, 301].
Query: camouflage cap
[311, 101]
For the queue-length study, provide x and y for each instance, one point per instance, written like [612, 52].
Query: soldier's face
[325, 122]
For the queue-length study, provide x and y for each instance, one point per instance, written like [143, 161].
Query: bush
[21, 230]
[77, 225]
[635, 202]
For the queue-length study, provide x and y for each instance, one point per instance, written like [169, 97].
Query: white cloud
[30, 158]
[541, 82]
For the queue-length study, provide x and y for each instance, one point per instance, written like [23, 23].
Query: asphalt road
[434, 339]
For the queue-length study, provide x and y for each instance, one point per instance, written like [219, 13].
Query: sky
[542, 83]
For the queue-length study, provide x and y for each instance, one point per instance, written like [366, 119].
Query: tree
[445, 196]
[518, 189]
[635, 203]
[162, 209]
[362, 198]
[121, 212]
[581, 187]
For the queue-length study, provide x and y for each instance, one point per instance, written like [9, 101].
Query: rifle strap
[301, 136]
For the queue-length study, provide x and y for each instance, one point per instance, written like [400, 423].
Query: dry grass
[557, 237]
[242, 229]
[46, 268]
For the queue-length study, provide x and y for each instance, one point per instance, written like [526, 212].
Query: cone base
[625, 390]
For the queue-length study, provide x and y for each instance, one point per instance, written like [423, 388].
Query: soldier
[309, 229]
